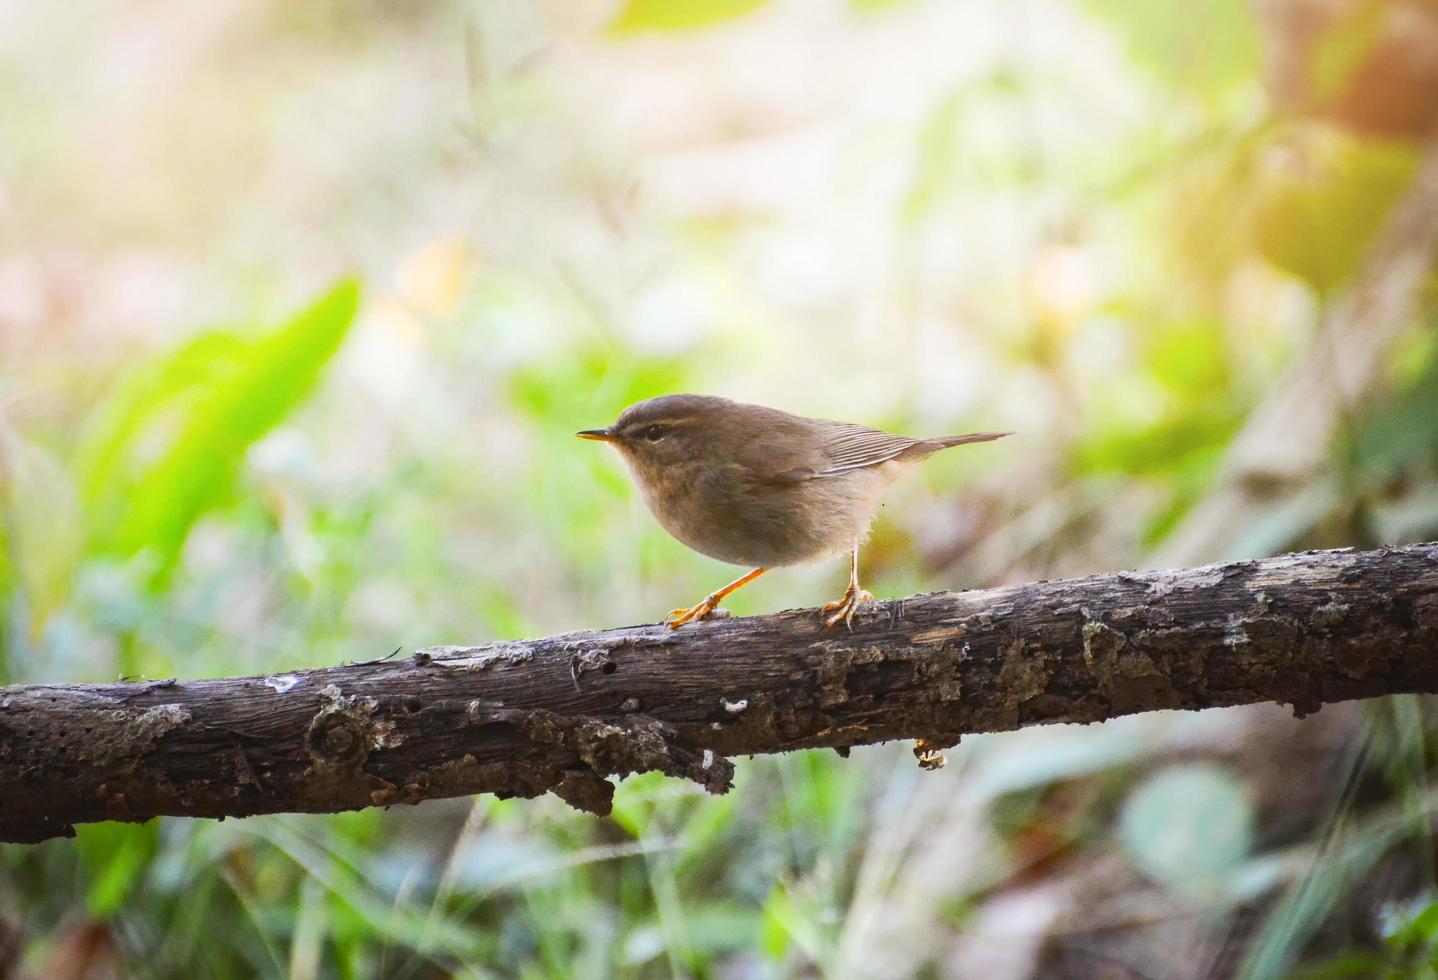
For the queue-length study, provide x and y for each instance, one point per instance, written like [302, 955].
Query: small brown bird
[756, 486]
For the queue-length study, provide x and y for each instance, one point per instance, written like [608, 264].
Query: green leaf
[1189, 828]
[118, 856]
[211, 401]
[1417, 924]
[140, 401]
[670, 15]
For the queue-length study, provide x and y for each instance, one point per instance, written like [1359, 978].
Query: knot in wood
[339, 741]
[338, 738]
[340, 735]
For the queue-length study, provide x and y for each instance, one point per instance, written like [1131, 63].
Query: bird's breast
[724, 512]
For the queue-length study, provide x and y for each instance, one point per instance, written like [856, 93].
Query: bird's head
[665, 431]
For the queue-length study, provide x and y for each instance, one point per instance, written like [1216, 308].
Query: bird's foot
[843, 610]
[707, 609]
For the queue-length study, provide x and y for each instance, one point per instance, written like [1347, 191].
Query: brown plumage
[752, 485]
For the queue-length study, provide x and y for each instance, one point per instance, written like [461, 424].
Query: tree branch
[559, 714]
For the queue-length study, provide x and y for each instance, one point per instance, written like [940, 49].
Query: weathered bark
[559, 714]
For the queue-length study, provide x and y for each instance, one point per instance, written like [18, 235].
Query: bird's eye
[655, 432]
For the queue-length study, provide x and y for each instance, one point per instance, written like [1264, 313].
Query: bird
[756, 486]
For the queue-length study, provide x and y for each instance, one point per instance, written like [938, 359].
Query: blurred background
[301, 304]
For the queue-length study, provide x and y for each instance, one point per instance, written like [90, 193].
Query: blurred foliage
[1317, 218]
[42, 526]
[167, 446]
[1207, 52]
[1084, 220]
[1190, 828]
[1342, 49]
[639, 15]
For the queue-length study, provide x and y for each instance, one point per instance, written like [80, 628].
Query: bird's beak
[602, 435]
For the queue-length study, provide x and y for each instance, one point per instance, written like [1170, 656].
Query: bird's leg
[679, 617]
[844, 609]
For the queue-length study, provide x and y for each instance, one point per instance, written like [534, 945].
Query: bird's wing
[786, 449]
[849, 447]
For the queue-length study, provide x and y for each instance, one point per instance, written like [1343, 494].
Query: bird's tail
[927, 447]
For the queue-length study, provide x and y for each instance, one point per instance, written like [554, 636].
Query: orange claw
[678, 617]
[705, 609]
[845, 608]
